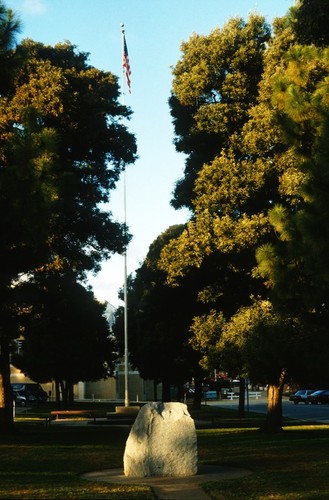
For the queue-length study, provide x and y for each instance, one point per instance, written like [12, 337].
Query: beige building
[112, 388]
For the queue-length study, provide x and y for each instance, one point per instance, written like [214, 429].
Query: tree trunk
[155, 390]
[70, 392]
[58, 395]
[180, 392]
[166, 396]
[6, 397]
[242, 399]
[273, 422]
[63, 386]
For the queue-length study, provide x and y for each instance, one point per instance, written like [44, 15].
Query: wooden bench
[42, 419]
[66, 413]
[115, 418]
[72, 413]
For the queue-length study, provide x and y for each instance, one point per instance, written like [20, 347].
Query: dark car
[319, 397]
[33, 393]
[22, 398]
[301, 396]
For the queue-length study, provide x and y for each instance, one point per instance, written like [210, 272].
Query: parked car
[301, 396]
[319, 397]
[22, 398]
[32, 393]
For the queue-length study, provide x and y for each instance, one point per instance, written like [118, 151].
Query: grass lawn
[42, 462]
[45, 463]
[291, 465]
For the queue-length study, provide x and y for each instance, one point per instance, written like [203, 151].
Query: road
[309, 413]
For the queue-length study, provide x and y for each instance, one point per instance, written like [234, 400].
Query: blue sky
[154, 32]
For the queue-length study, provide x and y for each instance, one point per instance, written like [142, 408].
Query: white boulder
[162, 442]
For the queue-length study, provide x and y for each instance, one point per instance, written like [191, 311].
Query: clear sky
[154, 32]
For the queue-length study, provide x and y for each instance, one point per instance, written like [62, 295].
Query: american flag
[126, 64]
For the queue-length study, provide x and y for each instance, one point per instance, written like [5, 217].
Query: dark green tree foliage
[9, 28]
[62, 148]
[159, 320]
[27, 191]
[215, 83]
[296, 265]
[66, 335]
[310, 20]
[80, 105]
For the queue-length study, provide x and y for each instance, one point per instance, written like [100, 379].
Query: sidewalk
[172, 488]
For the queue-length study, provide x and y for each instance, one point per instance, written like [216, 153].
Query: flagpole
[125, 317]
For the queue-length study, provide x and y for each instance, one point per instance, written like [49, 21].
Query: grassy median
[46, 463]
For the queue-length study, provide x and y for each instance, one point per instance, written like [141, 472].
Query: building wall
[112, 388]
[102, 389]
[138, 389]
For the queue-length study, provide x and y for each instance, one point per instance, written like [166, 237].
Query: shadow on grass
[45, 463]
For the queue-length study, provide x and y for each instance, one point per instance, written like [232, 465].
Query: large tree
[296, 264]
[58, 90]
[9, 27]
[234, 200]
[232, 195]
[66, 336]
[159, 321]
[225, 224]
[63, 146]
[215, 83]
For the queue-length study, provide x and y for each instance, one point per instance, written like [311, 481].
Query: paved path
[172, 488]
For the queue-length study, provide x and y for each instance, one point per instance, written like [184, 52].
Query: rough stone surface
[162, 442]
